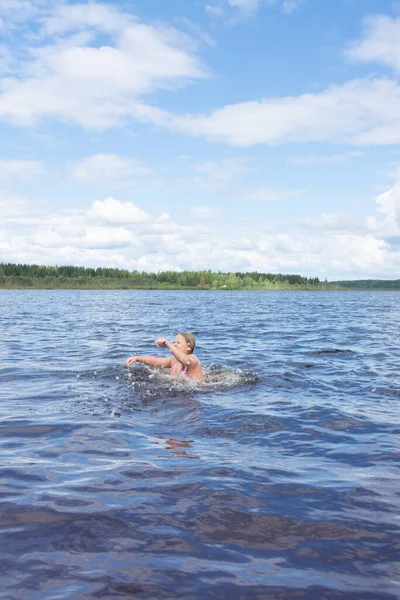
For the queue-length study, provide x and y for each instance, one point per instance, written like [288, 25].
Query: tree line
[14, 275]
[371, 284]
[39, 276]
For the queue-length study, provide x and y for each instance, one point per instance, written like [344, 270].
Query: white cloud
[13, 13]
[107, 167]
[91, 238]
[384, 225]
[111, 210]
[5, 59]
[91, 17]
[389, 206]
[19, 168]
[82, 79]
[115, 233]
[271, 194]
[334, 255]
[12, 205]
[102, 63]
[291, 6]
[214, 10]
[162, 225]
[109, 232]
[355, 254]
[358, 112]
[341, 222]
[380, 42]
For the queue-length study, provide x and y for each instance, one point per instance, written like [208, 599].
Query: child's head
[189, 339]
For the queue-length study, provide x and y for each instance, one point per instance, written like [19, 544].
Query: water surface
[277, 479]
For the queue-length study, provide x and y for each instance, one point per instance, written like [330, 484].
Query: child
[182, 361]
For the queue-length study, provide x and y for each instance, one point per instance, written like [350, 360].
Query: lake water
[276, 479]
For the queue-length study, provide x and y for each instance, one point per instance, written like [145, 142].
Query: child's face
[181, 344]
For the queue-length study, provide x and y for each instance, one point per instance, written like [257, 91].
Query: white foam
[216, 377]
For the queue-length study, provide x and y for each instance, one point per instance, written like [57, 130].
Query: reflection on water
[276, 478]
[177, 447]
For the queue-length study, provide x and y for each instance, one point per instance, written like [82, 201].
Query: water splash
[151, 381]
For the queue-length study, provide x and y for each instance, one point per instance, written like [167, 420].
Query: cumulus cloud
[91, 237]
[107, 167]
[115, 233]
[112, 210]
[99, 65]
[86, 17]
[384, 225]
[389, 206]
[162, 224]
[364, 111]
[335, 255]
[380, 42]
[109, 232]
[80, 78]
[13, 205]
[14, 13]
[341, 222]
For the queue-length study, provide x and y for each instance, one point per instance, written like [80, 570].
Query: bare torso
[195, 372]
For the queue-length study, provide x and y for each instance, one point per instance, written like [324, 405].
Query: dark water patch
[305, 365]
[12, 516]
[114, 372]
[11, 429]
[20, 374]
[386, 391]
[332, 351]
[18, 475]
[243, 426]
[26, 430]
[272, 531]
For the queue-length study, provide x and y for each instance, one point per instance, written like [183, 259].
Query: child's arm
[152, 361]
[189, 361]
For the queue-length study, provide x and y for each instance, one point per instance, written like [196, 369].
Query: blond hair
[190, 340]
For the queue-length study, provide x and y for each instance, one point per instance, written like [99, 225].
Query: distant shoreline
[84, 287]
[69, 277]
[166, 288]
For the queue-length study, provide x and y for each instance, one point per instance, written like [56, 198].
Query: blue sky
[189, 134]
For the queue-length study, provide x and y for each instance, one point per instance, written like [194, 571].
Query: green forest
[21, 276]
[370, 284]
[17, 276]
